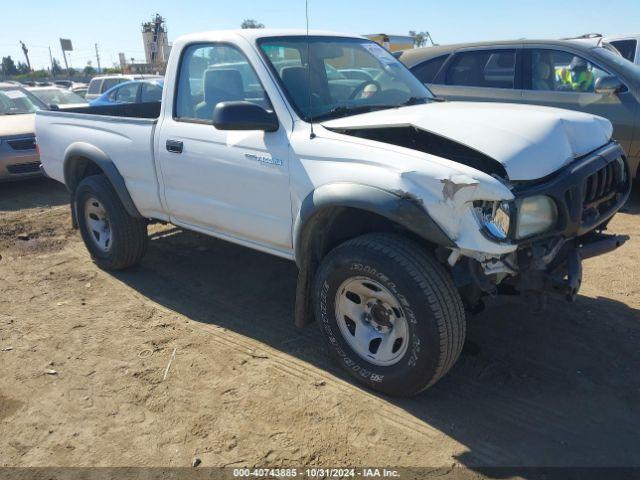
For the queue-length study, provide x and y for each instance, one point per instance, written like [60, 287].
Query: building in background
[156, 43]
[392, 43]
[156, 50]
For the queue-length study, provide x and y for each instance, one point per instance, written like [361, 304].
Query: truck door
[231, 183]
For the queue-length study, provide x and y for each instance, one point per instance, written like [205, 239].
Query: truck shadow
[32, 193]
[559, 387]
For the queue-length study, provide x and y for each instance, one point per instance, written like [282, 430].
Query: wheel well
[323, 232]
[80, 168]
[335, 225]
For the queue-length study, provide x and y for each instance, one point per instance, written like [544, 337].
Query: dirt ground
[84, 357]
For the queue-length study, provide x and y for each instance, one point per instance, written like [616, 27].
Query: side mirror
[244, 116]
[54, 106]
[608, 85]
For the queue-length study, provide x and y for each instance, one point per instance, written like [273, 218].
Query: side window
[127, 93]
[214, 73]
[107, 83]
[151, 92]
[555, 70]
[427, 71]
[94, 86]
[484, 68]
[112, 95]
[627, 48]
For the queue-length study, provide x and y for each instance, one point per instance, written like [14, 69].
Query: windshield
[348, 76]
[15, 101]
[57, 96]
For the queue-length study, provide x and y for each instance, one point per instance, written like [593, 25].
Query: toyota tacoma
[401, 211]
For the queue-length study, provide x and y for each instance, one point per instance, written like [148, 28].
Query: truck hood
[11, 125]
[530, 142]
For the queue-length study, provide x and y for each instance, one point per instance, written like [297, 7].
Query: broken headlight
[495, 217]
[536, 215]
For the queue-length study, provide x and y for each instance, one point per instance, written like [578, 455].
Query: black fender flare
[81, 150]
[399, 207]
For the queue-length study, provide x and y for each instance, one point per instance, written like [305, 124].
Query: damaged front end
[577, 203]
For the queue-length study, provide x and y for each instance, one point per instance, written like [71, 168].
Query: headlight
[495, 217]
[536, 215]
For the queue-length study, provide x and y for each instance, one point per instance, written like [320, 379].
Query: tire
[126, 241]
[429, 327]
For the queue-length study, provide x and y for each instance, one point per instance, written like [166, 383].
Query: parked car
[80, 91]
[537, 72]
[399, 210]
[18, 155]
[594, 40]
[58, 98]
[627, 45]
[100, 84]
[136, 91]
[63, 83]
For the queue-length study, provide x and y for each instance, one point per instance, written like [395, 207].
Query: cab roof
[253, 34]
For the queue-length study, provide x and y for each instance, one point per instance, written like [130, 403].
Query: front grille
[24, 168]
[601, 188]
[28, 143]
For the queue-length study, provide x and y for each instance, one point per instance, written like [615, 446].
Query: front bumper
[18, 158]
[588, 193]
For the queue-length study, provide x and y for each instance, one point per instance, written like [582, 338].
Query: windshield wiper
[344, 110]
[416, 101]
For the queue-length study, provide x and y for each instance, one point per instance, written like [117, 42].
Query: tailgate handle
[174, 146]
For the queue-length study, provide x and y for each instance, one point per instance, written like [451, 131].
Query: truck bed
[121, 135]
[130, 110]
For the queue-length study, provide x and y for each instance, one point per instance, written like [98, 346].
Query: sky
[115, 24]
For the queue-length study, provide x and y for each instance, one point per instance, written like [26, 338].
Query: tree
[9, 66]
[23, 68]
[71, 71]
[89, 70]
[251, 23]
[56, 69]
[420, 38]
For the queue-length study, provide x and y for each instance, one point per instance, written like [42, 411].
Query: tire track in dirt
[289, 365]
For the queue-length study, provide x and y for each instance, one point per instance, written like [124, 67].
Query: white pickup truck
[401, 211]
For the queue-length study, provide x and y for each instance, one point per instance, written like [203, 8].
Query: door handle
[174, 146]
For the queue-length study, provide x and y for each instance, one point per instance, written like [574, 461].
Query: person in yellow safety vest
[577, 77]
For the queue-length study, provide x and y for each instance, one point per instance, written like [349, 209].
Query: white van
[627, 46]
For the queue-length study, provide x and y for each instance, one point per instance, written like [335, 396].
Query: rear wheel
[115, 239]
[390, 313]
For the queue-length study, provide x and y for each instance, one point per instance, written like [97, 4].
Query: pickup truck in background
[401, 212]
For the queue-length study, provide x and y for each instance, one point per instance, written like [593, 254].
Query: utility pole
[53, 70]
[98, 58]
[26, 54]
[66, 65]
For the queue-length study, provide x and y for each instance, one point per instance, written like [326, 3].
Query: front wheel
[115, 239]
[390, 313]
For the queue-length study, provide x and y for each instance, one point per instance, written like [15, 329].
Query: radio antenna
[306, 13]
